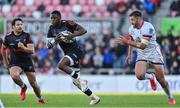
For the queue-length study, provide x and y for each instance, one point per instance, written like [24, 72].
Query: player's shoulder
[8, 35]
[147, 24]
[25, 33]
[69, 22]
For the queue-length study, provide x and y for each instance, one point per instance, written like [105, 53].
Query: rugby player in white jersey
[143, 38]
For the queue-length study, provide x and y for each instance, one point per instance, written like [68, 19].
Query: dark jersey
[17, 55]
[66, 26]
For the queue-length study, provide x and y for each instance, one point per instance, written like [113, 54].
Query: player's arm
[50, 40]
[141, 45]
[29, 48]
[129, 57]
[78, 30]
[130, 51]
[4, 56]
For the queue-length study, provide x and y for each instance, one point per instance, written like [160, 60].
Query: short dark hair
[135, 13]
[57, 13]
[14, 21]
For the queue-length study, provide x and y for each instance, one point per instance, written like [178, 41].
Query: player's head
[135, 18]
[55, 17]
[17, 25]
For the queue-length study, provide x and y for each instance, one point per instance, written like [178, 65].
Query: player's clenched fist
[21, 45]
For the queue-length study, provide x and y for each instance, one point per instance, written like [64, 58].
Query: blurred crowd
[85, 8]
[101, 52]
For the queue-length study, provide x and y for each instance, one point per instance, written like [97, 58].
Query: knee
[14, 76]
[61, 66]
[140, 76]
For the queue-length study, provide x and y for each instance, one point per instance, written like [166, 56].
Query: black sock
[88, 92]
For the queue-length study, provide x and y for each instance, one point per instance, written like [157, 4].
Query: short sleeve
[5, 41]
[148, 30]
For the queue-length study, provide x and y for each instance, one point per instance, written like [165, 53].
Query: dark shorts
[75, 55]
[26, 67]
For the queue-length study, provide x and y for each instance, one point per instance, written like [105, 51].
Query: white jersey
[152, 52]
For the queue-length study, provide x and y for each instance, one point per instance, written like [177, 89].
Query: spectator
[111, 7]
[64, 2]
[121, 8]
[149, 7]
[2, 2]
[175, 8]
[108, 59]
[98, 58]
[77, 10]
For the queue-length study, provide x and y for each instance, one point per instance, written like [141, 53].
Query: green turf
[71, 100]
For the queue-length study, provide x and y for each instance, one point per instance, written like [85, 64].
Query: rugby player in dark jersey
[63, 32]
[21, 47]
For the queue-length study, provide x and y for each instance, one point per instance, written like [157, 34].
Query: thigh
[31, 76]
[75, 58]
[141, 67]
[159, 71]
[28, 68]
[66, 60]
[15, 70]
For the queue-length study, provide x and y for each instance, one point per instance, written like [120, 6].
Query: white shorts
[154, 56]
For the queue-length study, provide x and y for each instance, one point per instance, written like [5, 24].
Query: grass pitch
[80, 100]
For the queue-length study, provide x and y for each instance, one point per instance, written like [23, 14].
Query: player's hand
[58, 38]
[121, 40]
[21, 45]
[69, 37]
[128, 60]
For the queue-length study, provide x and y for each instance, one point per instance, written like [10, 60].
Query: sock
[88, 92]
[148, 76]
[167, 91]
[75, 75]
[40, 98]
[23, 85]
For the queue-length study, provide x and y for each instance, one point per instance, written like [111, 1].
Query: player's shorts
[75, 57]
[154, 57]
[26, 67]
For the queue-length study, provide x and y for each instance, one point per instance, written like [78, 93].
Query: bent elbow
[84, 31]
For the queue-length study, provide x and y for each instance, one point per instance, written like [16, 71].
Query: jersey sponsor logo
[30, 67]
[151, 31]
[11, 44]
[76, 62]
[75, 55]
[18, 40]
